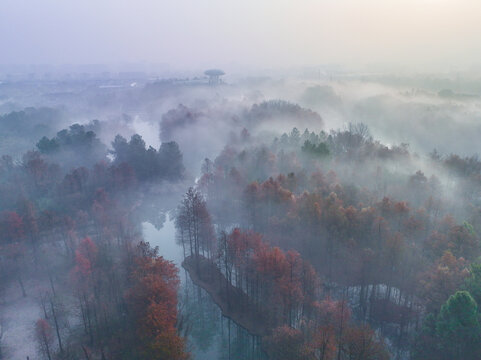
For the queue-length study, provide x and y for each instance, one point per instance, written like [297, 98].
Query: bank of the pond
[209, 337]
[232, 301]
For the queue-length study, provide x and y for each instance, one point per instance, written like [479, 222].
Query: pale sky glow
[269, 33]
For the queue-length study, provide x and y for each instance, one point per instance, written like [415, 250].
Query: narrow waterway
[211, 336]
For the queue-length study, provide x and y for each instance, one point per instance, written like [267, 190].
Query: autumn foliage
[153, 306]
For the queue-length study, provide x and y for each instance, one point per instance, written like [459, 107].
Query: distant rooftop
[214, 76]
[214, 72]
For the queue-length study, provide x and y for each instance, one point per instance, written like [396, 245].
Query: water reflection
[164, 238]
[211, 336]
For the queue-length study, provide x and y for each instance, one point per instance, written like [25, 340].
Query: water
[165, 240]
[211, 336]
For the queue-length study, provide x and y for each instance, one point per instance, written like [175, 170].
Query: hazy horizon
[317, 198]
[423, 35]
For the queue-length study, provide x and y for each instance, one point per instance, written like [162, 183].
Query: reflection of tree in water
[210, 333]
[237, 343]
[202, 316]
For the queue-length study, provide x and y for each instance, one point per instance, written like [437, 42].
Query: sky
[427, 34]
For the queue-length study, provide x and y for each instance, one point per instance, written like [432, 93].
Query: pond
[210, 335]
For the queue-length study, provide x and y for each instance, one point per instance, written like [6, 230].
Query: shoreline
[233, 302]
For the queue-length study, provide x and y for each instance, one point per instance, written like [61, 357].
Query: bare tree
[44, 337]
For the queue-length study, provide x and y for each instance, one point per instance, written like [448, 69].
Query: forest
[240, 180]
[223, 222]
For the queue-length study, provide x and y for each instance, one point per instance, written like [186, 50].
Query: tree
[473, 282]
[171, 161]
[44, 337]
[463, 242]
[85, 257]
[361, 343]
[153, 305]
[286, 343]
[194, 225]
[15, 256]
[441, 280]
[324, 341]
[83, 276]
[57, 312]
[458, 327]
[291, 286]
[13, 228]
[69, 143]
[319, 150]
[426, 344]
[36, 167]
[149, 164]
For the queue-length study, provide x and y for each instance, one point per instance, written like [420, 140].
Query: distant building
[214, 76]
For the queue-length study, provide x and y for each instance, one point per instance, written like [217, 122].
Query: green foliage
[47, 146]
[473, 282]
[454, 334]
[278, 109]
[426, 345]
[319, 150]
[470, 228]
[458, 327]
[165, 163]
[74, 138]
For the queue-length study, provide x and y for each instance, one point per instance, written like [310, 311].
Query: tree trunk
[57, 330]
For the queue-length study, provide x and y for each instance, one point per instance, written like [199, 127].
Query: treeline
[20, 129]
[122, 304]
[280, 109]
[71, 238]
[285, 291]
[386, 241]
[29, 121]
[79, 145]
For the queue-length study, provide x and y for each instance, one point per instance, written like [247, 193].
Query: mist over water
[236, 122]
[164, 238]
[240, 180]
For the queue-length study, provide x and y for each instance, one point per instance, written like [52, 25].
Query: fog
[269, 180]
[101, 162]
[416, 34]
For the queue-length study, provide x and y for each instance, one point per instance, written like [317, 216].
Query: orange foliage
[153, 301]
